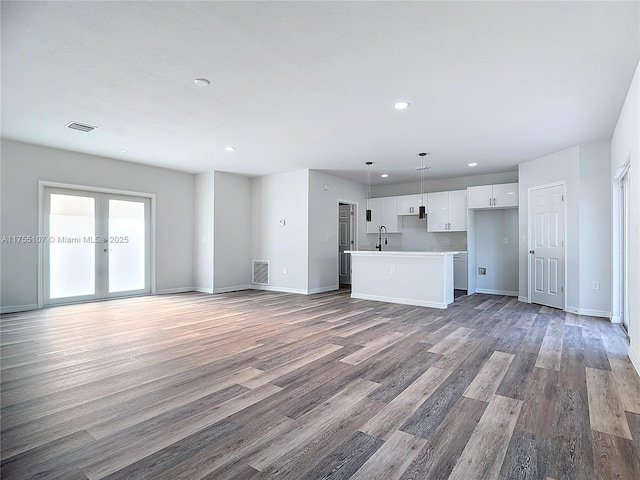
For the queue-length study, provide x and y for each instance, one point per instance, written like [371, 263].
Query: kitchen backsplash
[414, 237]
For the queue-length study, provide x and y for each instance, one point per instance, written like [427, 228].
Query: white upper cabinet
[458, 210]
[493, 196]
[384, 211]
[410, 204]
[505, 195]
[447, 211]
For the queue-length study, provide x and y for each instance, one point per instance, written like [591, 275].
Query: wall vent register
[261, 272]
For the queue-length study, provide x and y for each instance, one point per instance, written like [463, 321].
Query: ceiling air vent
[80, 126]
[261, 272]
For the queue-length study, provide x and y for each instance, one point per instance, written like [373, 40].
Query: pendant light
[423, 209]
[368, 164]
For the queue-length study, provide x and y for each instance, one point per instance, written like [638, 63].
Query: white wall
[625, 148]
[443, 184]
[491, 228]
[588, 222]
[595, 230]
[562, 165]
[283, 196]
[232, 232]
[23, 165]
[203, 233]
[323, 226]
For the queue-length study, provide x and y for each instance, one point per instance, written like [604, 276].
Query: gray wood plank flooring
[263, 385]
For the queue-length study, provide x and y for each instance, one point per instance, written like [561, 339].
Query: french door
[97, 246]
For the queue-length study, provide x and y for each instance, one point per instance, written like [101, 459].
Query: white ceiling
[312, 84]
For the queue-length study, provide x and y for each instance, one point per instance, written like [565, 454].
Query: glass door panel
[71, 271]
[98, 246]
[127, 245]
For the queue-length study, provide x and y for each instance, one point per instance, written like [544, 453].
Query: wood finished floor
[258, 385]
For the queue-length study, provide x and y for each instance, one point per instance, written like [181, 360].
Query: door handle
[107, 249]
[532, 252]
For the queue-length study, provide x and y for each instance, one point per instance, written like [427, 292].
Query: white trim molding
[331, 288]
[237, 288]
[635, 360]
[403, 301]
[270, 288]
[588, 312]
[169, 291]
[18, 308]
[202, 290]
[487, 291]
[523, 299]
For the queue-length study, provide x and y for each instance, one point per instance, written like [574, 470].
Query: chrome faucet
[381, 237]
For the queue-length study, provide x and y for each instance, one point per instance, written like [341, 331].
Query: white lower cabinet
[460, 271]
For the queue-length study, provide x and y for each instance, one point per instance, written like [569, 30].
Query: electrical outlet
[482, 270]
[446, 239]
[393, 270]
[595, 285]
[505, 240]
[284, 270]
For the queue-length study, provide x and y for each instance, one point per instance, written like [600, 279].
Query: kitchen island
[413, 278]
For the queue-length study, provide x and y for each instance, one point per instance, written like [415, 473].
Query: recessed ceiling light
[473, 164]
[401, 105]
[384, 175]
[230, 148]
[202, 82]
[122, 150]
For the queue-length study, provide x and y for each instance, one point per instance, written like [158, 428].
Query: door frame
[42, 184]
[617, 280]
[356, 208]
[563, 184]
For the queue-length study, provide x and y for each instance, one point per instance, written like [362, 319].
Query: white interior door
[98, 246]
[546, 245]
[346, 227]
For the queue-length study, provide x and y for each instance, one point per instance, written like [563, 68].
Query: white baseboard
[232, 289]
[270, 288]
[594, 313]
[523, 299]
[616, 319]
[497, 292]
[202, 290]
[403, 301]
[586, 311]
[19, 308]
[634, 360]
[324, 289]
[168, 291]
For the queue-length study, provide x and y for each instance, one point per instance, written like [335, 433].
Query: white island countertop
[398, 253]
[413, 278]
